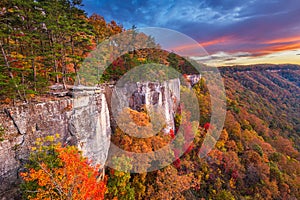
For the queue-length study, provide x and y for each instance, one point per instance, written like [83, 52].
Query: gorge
[84, 120]
[257, 153]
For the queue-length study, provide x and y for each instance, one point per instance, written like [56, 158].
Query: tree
[56, 172]
[168, 184]
[102, 29]
[119, 186]
[42, 42]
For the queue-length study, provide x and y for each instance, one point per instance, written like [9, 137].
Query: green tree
[119, 185]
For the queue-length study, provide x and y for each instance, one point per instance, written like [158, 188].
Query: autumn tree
[119, 185]
[44, 42]
[56, 172]
[168, 184]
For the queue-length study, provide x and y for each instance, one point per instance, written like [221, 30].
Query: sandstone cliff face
[82, 120]
[161, 96]
[90, 125]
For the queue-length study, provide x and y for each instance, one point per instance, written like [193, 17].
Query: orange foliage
[75, 179]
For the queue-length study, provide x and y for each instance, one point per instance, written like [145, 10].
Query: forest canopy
[44, 42]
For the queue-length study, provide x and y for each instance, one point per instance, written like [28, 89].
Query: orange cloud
[203, 44]
[263, 48]
[216, 41]
[275, 48]
[284, 40]
[277, 45]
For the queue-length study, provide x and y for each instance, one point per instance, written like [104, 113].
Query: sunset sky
[231, 31]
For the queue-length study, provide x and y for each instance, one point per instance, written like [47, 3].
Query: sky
[233, 32]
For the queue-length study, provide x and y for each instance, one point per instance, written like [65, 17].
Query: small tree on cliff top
[56, 172]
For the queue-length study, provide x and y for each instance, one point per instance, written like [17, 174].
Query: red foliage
[206, 126]
[189, 148]
[235, 174]
[177, 163]
[172, 134]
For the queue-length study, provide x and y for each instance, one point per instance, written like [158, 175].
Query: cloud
[245, 58]
[257, 27]
[295, 38]
[165, 13]
[221, 57]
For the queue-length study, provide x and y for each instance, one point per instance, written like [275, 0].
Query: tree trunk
[63, 65]
[74, 62]
[34, 73]
[9, 70]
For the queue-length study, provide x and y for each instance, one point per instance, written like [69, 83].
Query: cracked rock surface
[82, 121]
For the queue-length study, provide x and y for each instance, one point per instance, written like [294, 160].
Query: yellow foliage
[232, 183]
[141, 59]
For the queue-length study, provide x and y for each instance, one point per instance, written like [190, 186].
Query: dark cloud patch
[229, 59]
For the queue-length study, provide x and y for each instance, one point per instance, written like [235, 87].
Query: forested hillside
[263, 115]
[45, 42]
[256, 157]
[270, 92]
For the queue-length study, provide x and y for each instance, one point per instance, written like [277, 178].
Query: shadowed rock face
[82, 120]
[162, 96]
[137, 100]
[193, 79]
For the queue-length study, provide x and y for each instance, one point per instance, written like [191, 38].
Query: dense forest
[257, 156]
[44, 42]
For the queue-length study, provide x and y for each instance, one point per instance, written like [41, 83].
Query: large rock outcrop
[82, 120]
[163, 96]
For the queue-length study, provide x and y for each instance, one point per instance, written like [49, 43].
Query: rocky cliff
[82, 120]
[162, 97]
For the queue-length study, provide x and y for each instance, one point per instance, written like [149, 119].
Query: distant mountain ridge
[271, 92]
